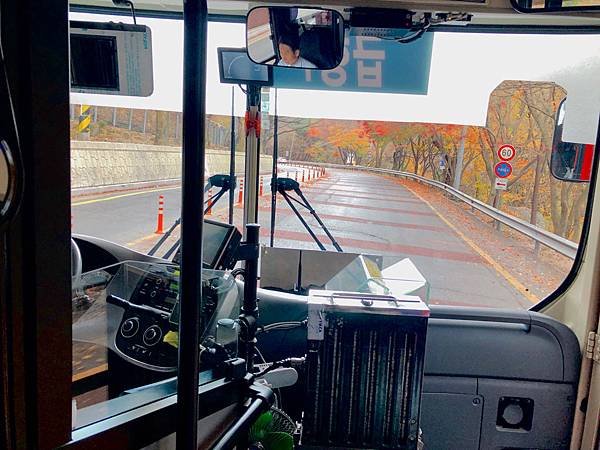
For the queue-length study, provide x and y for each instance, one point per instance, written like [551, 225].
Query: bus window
[409, 176]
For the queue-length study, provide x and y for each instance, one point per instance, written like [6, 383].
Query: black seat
[315, 47]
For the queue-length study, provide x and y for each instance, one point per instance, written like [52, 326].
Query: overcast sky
[465, 68]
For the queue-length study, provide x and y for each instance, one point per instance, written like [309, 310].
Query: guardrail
[544, 237]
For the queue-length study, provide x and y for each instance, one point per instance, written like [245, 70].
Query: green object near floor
[265, 434]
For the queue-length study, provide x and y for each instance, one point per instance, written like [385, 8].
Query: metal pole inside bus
[252, 127]
[195, 22]
[274, 173]
[232, 157]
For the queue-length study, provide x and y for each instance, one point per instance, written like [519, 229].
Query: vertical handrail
[195, 19]
[274, 174]
[232, 157]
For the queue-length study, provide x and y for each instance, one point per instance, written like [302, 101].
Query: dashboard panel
[140, 303]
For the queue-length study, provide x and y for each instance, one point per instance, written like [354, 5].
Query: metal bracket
[592, 348]
[247, 252]
[235, 368]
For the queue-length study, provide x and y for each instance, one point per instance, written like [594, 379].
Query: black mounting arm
[248, 252]
[285, 185]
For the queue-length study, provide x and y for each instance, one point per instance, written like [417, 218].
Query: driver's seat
[314, 47]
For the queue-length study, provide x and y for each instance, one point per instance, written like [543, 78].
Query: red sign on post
[503, 169]
[506, 152]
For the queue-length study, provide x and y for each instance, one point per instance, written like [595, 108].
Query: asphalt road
[366, 213]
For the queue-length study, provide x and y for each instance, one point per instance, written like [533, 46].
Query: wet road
[364, 212]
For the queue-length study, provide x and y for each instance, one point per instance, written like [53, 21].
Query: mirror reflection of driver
[289, 49]
[567, 153]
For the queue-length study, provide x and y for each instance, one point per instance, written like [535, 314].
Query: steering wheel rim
[76, 264]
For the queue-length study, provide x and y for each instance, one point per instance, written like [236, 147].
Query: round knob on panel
[130, 327]
[513, 414]
[152, 335]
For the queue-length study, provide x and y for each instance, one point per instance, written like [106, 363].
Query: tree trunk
[459, 159]
[162, 128]
[534, 198]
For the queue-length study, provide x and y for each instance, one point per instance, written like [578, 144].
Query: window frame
[39, 341]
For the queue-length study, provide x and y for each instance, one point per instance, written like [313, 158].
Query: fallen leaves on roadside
[514, 252]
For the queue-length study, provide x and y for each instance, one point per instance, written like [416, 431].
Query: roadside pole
[503, 169]
[85, 120]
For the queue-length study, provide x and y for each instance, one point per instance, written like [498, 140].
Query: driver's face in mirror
[288, 54]
[289, 51]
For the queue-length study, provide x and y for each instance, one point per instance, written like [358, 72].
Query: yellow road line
[501, 270]
[114, 197]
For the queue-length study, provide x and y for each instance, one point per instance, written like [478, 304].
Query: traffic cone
[160, 218]
[241, 192]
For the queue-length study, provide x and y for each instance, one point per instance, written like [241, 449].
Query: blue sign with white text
[369, 65]
[503, 169]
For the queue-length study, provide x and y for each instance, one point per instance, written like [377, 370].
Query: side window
[126, 179]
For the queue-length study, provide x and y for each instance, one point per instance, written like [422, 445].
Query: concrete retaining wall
[96, 164]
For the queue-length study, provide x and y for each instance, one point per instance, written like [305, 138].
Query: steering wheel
[76, 264]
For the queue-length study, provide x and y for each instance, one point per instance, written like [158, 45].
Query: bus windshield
[451, 173]
[425, 168]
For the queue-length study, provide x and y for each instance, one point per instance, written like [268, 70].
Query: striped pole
[241, 192]
[85, 119]
[287, 174]
[260, 187]
[296, 175]
[160, 219]
[308, 174]
[303, 174]
[209, 209]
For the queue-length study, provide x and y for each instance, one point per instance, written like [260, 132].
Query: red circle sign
[503, 169]
[506, 152]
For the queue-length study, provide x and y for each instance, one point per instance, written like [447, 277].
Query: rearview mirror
[302, 38]
[570, 161]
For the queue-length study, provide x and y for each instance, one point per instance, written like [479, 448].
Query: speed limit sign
[506, 152]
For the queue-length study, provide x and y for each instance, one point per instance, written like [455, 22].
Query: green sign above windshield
[369, 65]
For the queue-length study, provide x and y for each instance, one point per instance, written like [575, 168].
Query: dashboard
[140, 303]
[129, 302]
[148, 318]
